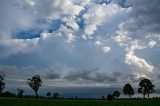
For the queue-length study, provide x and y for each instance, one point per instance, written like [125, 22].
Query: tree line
[145, 88]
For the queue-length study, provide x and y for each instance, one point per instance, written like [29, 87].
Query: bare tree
[35, 82]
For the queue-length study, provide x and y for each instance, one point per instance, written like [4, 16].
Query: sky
[84, 48]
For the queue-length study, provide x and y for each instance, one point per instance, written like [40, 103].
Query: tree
[109, 97]
[48, 94]
[146, 87]
[35, 82]
[55, 95]
[128, 90]
[20, 93]
[7, 94]
[2, 84]
[116, 94]
[102, 97]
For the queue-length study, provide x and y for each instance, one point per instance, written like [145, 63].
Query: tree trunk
[143, 95]
[129, 96]
[148, 94]
[36, 94]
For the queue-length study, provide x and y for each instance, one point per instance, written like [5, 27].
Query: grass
[50, 102]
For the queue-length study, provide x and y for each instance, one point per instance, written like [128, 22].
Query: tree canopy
[128, 90]
[146, 87]
[116, 94]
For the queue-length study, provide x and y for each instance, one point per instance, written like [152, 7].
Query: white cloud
[54, 9]
[44, 35]
[14, 46]
[98, 14]
[66, 33]
[31, 2]
[106, 49]
[138, 62]
[84, 37]
[27, 13]
[151, 44]
[84, 2]
[124, 39]
[139, 76]
[98, 43]
[71, 38]
[71, 22]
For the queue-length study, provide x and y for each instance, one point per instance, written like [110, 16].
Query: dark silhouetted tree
[102, 97]
[48, 94]
[35, 82]
[109, 97]
[146, 87]
[116, 94]
[20, 93]
[55, 95]
[8, 94]
[2, 84]
[128, 90]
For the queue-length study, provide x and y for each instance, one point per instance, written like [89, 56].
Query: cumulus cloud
[130, 44]
[106, 49]
[71, 38]
[22, 19]
[143, 20]
[44, 35]
[151, 44]
[98, 43]
[68, 12]
[31, 2]
[14, 46]
[71, 22]
[138, 62]
[97, 15]
[27, 15]
[54, 9]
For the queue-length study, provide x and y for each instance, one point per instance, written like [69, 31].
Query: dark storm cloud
[97, 76]
[117, 74]
[7, 69]
[28, 69]
[145, 17]
[51, 74]
[93, 75]
[158, 76]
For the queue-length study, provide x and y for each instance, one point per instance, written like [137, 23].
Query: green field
[45, 102]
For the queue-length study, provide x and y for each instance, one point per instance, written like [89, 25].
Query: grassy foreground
[45, 102]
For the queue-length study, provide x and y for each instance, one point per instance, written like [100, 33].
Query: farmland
[51, 102]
